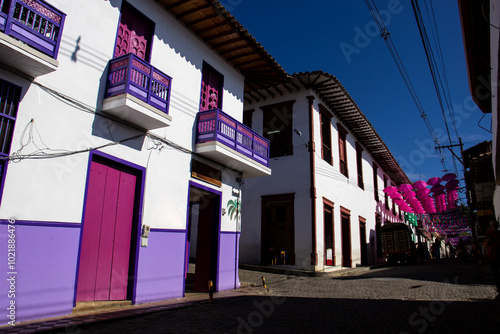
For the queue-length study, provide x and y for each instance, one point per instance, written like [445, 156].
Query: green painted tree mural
[233, 208]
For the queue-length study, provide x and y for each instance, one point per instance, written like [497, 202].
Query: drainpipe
[311, 147]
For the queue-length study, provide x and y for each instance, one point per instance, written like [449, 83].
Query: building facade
[480, 22]
[323, 205]
[123, 150]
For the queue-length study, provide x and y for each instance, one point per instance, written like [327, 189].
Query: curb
[72, 323]
[308, 273]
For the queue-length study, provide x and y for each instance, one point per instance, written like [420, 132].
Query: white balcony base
[132, 110]
[24, 58]
[233, 159]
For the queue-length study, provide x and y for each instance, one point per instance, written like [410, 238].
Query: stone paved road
[446, 297]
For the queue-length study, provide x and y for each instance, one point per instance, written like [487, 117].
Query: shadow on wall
[105, 126]
[174, 35]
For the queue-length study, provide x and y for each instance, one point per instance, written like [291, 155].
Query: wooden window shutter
[211, 89]
[134, 34]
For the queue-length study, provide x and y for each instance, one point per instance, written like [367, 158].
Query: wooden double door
[106, 235]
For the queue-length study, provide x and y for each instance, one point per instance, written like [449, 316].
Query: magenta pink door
[107, 228]
[134, 34]
[211, 88]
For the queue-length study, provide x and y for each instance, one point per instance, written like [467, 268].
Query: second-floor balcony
[137, 93]
[227, 141]
[30, 35]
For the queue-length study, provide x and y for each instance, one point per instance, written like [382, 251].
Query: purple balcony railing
[33, 22]
[132, 75]
[215, 125]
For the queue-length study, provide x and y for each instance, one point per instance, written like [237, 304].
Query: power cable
[441, 88]
[399, 64]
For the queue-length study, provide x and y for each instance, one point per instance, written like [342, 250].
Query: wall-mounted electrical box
[145, 235]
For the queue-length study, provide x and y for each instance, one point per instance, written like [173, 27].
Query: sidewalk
[71, 323]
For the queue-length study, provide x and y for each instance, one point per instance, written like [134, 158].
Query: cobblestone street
[446, 297]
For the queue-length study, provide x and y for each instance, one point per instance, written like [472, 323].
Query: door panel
[122, 40]
[123, 231]
[105, 249]
[103, 277]
[134, 34]
[89, 251]
[211, 88]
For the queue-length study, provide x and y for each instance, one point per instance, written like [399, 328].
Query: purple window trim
[16, 98]
[41, 223]
[141, 179]
[217, 192]
[3, 174]
[198, 185]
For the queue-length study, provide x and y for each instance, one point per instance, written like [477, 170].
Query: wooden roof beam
[192, 11]
[180, 3]
[203, 19]
[216, 26]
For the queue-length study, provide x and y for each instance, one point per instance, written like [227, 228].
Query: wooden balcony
[227, 141]
[30, 35]
[137, 93]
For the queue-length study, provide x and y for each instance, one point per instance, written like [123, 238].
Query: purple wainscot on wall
[228, 261]
[45, 266]
[160, 274]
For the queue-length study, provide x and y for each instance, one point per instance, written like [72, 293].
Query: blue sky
[318, 35]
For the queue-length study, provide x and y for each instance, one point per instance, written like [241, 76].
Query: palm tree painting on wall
[233, 208]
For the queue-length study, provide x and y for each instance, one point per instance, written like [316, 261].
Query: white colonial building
[323, 205]
[122, 150]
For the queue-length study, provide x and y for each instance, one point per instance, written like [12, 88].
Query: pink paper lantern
[434, 180]
[405, 187]
[419, 185]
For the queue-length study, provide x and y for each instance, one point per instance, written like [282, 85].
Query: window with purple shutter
[211, 88]
[9, 102]
[134, 34]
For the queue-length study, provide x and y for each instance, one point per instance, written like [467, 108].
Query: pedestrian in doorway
[437, 249]
[493, 251]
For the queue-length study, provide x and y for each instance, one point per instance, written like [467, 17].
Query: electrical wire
[479, 124]
[400, 66]
[486, 19]
[439, 79]
[91, 110]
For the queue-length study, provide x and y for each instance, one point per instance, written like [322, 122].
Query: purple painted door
[134, 35]
[105, 249]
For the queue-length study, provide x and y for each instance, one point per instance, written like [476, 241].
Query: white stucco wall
[87, 45]
[291, 175]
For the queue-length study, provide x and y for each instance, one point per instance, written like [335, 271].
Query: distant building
[123, 150]
[480, 183]
[480, 28]
[323, 205]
